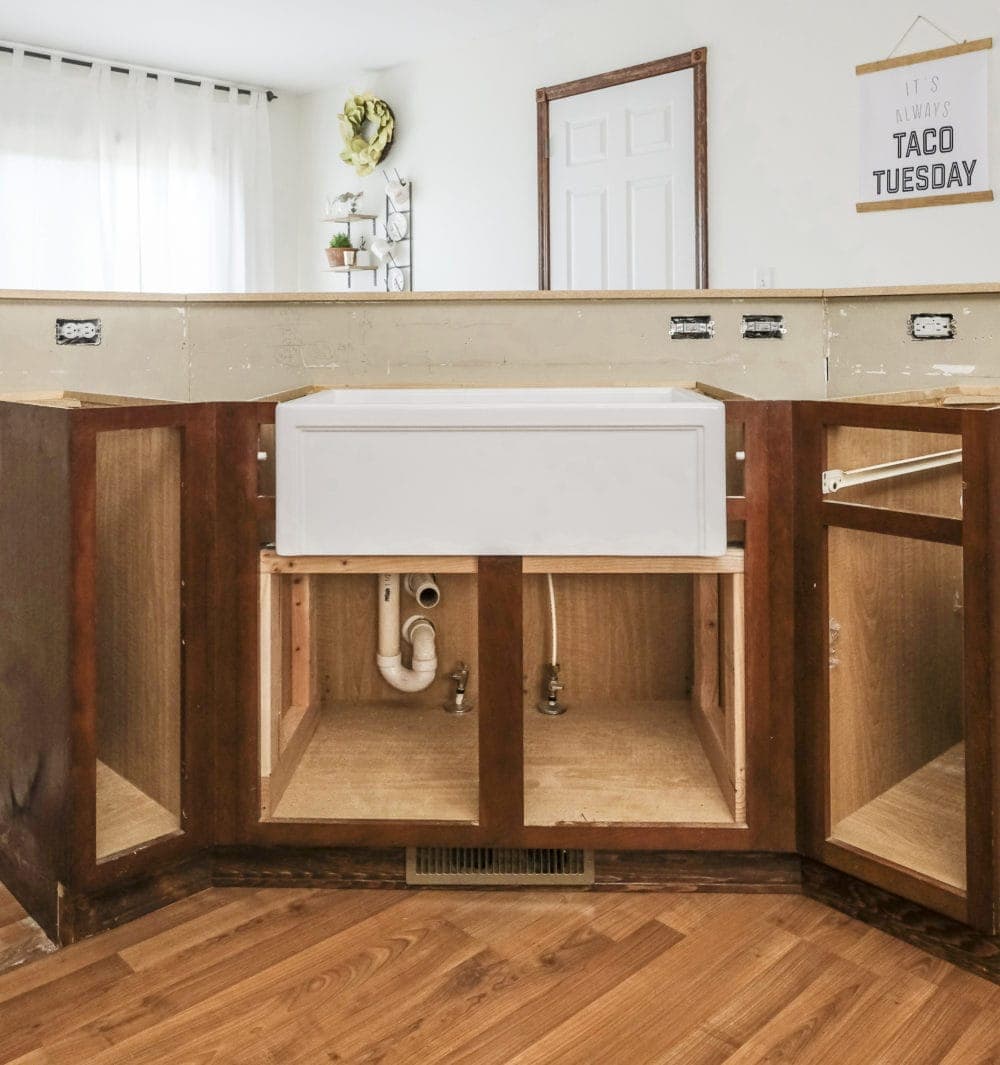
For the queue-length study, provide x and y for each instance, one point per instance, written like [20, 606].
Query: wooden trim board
[696, 61]
[272, 562]
[946, 200]
[731, 562]
[925, 57]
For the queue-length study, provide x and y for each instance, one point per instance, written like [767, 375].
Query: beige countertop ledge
[761, 294]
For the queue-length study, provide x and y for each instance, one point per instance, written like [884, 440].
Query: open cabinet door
[895, 640]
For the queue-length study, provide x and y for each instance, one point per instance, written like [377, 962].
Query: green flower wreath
[362, 154]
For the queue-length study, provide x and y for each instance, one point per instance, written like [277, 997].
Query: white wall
[783, 133]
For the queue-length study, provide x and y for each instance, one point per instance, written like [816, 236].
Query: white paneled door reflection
[621, 179]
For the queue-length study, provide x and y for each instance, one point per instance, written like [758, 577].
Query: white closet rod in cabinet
[834, 480]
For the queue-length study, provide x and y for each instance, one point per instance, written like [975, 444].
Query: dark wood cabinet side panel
[811, 632]
[236, 769]
[779, 622]
[981, 599]
[501, 721]
[35, 649]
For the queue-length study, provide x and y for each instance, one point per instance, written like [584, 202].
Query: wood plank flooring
[301, 977]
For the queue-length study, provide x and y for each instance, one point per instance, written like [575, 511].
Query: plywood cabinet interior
[897, 761]
[138, 614]
[337, 741]
[653, 668]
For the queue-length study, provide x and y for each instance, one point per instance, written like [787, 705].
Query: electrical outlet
[692, 327]
[932, 326]
[762, 327]
[78, 330]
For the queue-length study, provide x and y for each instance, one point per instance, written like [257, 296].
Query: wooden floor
[918, 824]
[635, 762]
[308, 976]
[372, 760]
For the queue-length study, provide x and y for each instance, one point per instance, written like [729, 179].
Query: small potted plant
[339, 243]
[363, 257]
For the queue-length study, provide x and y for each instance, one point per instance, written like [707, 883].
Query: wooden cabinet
[897, 632]
[106, 543]
[673, 659]
[181, 706]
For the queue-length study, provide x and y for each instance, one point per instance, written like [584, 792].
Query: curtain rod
[179, 79]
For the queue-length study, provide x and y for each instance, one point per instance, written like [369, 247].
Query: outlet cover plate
[932, 326]
[78, 330]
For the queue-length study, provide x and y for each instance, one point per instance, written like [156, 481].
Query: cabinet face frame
[246, 513]
[195, 424]
[980, 433]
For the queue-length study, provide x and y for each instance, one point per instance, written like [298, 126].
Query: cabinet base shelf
[639, 762]
[127, 817]
[384, 761]
[918, 824]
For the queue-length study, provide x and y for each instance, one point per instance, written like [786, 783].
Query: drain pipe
[417, 630]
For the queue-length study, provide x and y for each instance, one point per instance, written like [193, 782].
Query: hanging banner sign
[924, 123]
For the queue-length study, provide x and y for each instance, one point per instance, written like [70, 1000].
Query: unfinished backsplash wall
[870, 350]
[200, 348]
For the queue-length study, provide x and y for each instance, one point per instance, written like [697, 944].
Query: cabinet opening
[138, 618]
[653, 671]
[337, 741]
[896, 469]
[897, 753]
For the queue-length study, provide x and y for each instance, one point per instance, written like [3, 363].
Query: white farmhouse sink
[518, 471]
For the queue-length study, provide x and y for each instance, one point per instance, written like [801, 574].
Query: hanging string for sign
[909, 29]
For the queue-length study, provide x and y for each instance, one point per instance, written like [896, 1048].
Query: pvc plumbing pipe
[423, 588]
[417, 630]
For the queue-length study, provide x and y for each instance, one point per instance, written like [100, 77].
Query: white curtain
[121, 182]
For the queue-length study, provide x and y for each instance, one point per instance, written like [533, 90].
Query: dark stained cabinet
[181, 706]
[897, 628]
[107, 512]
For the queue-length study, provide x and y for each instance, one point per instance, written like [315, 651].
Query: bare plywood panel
[937, 491]
[382, 760]
[896, 661]
[919, 823]
[289, 696]
[126, 816]
[616, 761]
[718, 702]
[345, 613]
[622, 637]
[139, 609]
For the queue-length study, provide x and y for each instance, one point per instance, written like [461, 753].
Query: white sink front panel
[504, 472]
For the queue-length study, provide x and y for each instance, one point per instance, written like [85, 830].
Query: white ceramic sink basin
[518, 471]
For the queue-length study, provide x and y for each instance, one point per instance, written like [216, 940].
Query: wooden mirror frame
[696, 60]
